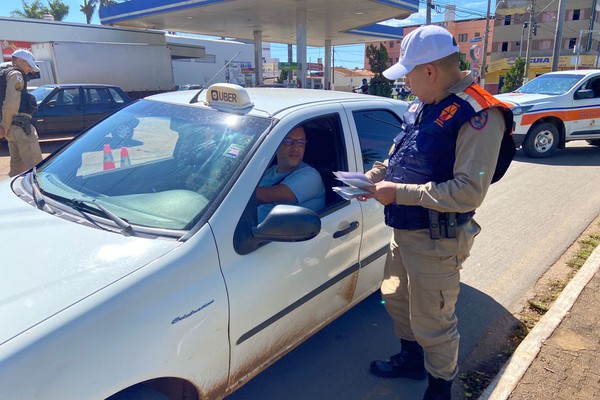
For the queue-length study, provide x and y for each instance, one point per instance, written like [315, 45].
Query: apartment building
[519, 24]
[509, 31]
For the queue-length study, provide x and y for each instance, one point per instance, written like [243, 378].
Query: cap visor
[397, 71]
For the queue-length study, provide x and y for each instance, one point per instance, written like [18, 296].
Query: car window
[553, 84]
[116, 96]
[139, 163]
[97, 96]
[66, 97]
[376, 132]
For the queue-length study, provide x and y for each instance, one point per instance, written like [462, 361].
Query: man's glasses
[291, 142]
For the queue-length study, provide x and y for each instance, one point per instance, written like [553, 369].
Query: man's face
[23, 66]
[291, 152]
[417, 81]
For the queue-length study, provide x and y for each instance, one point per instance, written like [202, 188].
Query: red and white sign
[9, 47]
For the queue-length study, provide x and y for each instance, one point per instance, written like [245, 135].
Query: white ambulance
[556, 108]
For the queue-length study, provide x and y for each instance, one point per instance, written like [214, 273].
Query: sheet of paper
[355, 179]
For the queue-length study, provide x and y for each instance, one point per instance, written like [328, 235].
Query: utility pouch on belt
[442, 225]
[24, 122]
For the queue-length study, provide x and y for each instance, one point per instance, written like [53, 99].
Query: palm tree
[34, 10]
[58, 9]
[88, 7]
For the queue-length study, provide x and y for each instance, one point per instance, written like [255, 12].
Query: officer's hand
[384, 192]
[2, 132]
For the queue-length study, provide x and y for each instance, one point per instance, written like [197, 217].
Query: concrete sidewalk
[559, 358]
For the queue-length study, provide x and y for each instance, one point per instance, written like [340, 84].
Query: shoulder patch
[19, 84]
[479, 121]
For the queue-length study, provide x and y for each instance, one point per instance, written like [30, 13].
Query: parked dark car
[71, 108]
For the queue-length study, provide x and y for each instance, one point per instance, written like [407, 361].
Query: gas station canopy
[327, 22]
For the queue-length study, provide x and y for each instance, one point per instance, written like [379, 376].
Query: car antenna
[195, 98]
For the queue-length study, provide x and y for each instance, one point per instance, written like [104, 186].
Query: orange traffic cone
[109, 162]
[125, 161]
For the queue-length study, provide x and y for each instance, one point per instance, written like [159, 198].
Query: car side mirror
[584, 94]
[285, 223]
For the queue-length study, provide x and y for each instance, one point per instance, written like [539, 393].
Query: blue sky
[349, 56]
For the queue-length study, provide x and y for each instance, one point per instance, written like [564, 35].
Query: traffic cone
[125, 161]
[109, 162]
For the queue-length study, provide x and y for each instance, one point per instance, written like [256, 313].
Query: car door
[61, 112]
[585, 115]
[282, 292]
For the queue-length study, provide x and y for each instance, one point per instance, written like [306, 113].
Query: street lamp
[485, 41]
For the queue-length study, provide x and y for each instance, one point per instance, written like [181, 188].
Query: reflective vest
[424, 150]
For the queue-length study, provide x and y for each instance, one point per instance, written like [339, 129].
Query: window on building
[477, 34]
[546, 44]
[572, 43]
[507, 19]
[504, 47]
[576, 15]
[463, 37]
[391, 44]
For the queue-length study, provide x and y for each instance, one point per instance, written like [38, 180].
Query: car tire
[594, 142]
[541, 141]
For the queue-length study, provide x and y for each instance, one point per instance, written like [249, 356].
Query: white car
[556, 108]
[134, 268]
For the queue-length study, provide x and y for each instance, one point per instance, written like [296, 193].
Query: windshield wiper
[38, 197]
[125, 227]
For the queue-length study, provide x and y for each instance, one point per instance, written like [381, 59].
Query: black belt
[445, 224]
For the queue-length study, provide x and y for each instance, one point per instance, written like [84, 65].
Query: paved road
[529, 219]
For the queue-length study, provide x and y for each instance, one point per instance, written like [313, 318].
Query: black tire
[541, 141]
[138, 392]
[594, 142]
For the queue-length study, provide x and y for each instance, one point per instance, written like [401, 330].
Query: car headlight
[518, 110]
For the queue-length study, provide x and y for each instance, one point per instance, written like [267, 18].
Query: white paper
[355, 179]
[349, 192]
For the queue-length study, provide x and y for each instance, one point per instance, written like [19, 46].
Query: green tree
[88, 8]
[58, 9]
[463, 63]
[36, 10]
[379, 61]
[33, 10]
[514, 77]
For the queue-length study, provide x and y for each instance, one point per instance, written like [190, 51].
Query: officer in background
[17, 108]
[438, 172]
[364, 88]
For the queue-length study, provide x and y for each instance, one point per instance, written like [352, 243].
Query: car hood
[49, 263]
[521, 99]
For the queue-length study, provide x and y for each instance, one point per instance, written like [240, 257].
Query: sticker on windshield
[233, 150]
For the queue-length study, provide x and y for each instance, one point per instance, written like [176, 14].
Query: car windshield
[154, 164]
[41, 92]
[551, 84]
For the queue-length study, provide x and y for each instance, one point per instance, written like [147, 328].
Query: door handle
[353, 225]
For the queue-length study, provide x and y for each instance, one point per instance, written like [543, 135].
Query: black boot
[406, 364]
[438, 389]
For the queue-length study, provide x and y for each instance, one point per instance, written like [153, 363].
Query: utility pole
[529, 34]
[428, 7]
[562, 4]
[486, 35]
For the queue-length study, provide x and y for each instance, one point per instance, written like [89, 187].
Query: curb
[509, 376]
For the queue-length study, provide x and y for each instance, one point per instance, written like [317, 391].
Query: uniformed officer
[438, 172]
[17, 108]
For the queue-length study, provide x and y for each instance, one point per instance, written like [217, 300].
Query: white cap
[27, 56]
[423, 45]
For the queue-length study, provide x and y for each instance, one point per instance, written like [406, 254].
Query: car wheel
[594, 142]
[541, 141]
